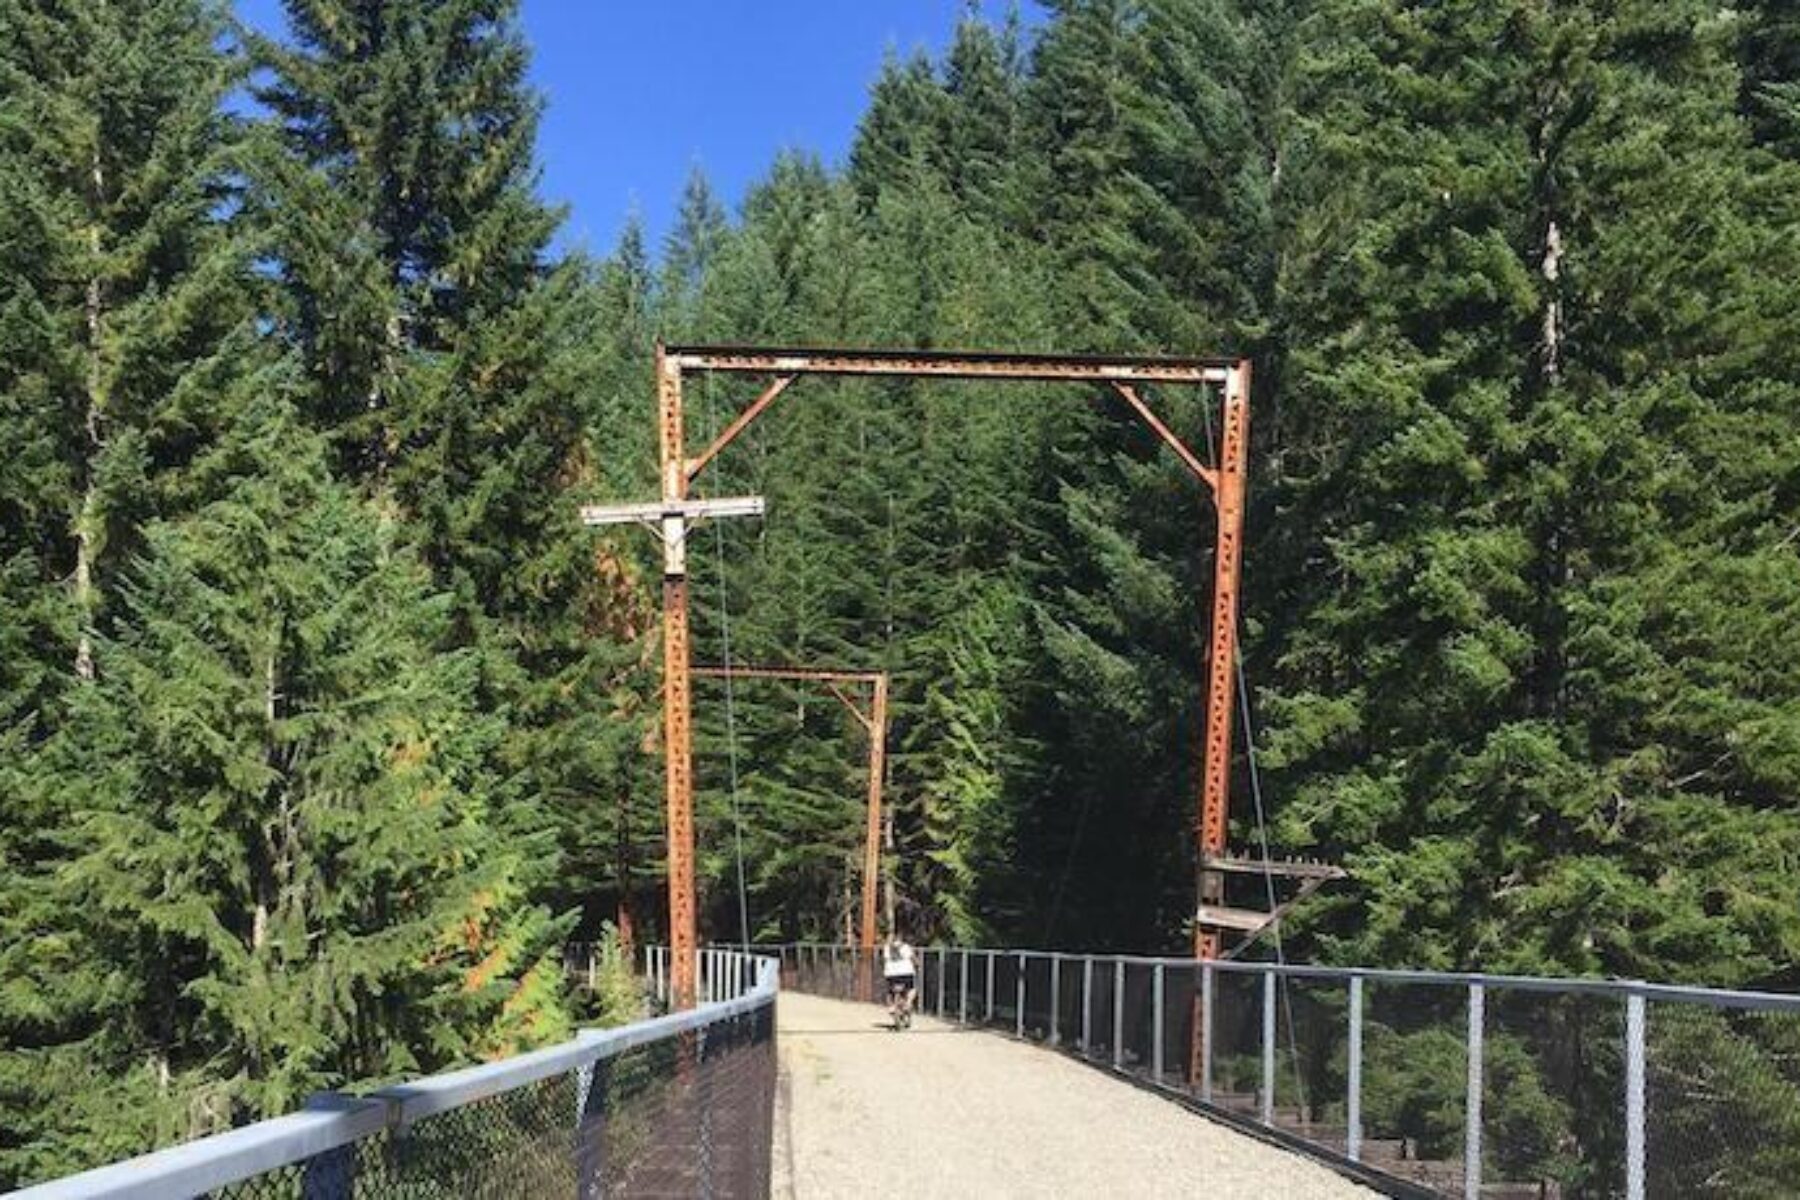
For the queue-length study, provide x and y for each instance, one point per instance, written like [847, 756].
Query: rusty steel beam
[1189, 459]
[872, 839]
[1222, 653]
[948, 364]
[678, 733]
[769, 395]
[874, 722]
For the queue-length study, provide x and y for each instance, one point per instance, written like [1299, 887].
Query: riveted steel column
[1268, 1048]
[678, 750]
[871, 873]
[1472, 1105]
[1228, 499]
[1634, 1097]
[1056, 999]
[1156, 1025]
[1353, 1085]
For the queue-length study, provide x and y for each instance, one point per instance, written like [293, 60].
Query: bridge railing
[681, 1104]
[1445, 1083]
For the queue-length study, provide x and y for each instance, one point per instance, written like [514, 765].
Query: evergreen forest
[325, 724]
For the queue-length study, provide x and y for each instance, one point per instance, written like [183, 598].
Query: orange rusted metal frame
[951, 364]
[1226, 482]
[696, 464]
[1202, 472]
[1221, 673]
[678, 734]
[875, 724]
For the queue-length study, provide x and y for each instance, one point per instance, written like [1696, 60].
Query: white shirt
[899, 961]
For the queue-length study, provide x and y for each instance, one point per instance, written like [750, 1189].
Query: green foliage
[611, 992]
[305, 390]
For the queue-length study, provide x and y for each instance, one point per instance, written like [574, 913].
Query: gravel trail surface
[941, 1111]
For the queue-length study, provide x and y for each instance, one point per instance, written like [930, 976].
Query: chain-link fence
[1451, 1084]
[676, 1106]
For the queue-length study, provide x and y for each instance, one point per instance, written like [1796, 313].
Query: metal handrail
[1616, 988]
[334, 1120]
[1194, 1083]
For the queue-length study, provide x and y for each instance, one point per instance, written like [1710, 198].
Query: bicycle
[899, 1004]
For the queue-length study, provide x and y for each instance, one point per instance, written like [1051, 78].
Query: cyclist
[898, 969]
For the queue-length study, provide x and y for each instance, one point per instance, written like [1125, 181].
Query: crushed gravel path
[944, 1111]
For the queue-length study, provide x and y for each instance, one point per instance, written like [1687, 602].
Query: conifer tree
[1498, 673]
[413, 249]
[285, 853]
[123, 288]
[126, 321]
[453, 366]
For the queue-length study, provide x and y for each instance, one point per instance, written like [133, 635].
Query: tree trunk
[87, 535]
[1552, 330]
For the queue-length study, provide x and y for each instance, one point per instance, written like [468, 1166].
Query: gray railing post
[1019, 1011]
[1118, 1046]
[703, 1151]
[1634, 1097]
[1206, 1031]
[1353, 1084]
[962, 993]
[990, 985]
[1055, 999]
[1268, 1048]
[943, 957]
[1472, 1105]
[1156, 1025]
[590, 1128]
[1087, 1004]
[330, 1175]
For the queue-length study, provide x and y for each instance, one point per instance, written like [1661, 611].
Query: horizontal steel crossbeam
[949, 364]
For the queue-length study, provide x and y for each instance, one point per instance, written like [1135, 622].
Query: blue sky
[639, 91]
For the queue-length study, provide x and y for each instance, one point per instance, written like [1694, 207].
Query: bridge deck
[943, 1111]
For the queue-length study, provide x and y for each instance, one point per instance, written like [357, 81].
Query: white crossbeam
[670, 519]
[657, 511]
